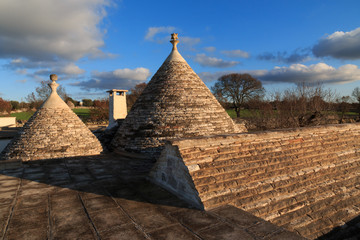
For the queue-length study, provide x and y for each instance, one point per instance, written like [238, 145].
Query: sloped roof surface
[175, 104]
[54, 131]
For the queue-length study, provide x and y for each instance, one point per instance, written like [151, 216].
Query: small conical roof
[54, 131]
[175, 104]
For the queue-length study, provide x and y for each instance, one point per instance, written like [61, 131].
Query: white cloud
[118, 79]
[320, 72]
[236, 53]
[207, 61]
[298, 73]
[212, 76]
[70, 69]
[153, 31]
[342, 45]
[33, 32]
[210, 49]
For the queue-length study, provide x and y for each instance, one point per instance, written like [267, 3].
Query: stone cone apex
[54, 131]
[175, 104]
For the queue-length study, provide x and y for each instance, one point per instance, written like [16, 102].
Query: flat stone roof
[108, 197]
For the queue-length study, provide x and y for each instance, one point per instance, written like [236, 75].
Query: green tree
[87, 102]
[237, 89]
[15, 105]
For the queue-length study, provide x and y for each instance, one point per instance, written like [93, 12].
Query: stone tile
[71, 224]
[124, 232]
[263, 229]
[108, 219]
[4, 215]
[12, 182]
[37, 176]
[135, 205]
[225, 231]
[81, 177]
[40, 190]
[236, 216]
[151, 219]
[173, 232]
[70, 199]
[195, 219]
[28, 234]
[13, 188]
[7, 197]
[23, 219]
[93, 194]
[31, 201]
[286, 235]
[99, 203]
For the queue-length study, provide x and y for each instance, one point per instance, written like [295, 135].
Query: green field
[243, 113]
[83, 113]
[22, 115]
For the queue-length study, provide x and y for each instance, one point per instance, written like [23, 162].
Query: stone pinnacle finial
[53, 85]
[174, 40]
[53, 77]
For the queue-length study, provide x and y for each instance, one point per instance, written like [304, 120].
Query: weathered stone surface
[54, 131]
[306, 180]
[115, 203]
[175, 104]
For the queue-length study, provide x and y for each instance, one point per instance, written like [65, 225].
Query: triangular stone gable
[54, 131]
[175, 104]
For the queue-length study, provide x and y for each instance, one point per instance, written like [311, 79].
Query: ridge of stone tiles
[274, 179]
[54, 131]
[175, 104]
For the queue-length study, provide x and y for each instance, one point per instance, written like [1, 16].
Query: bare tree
[356, 95]
[42, 93]
[135, 92]
[237, 88]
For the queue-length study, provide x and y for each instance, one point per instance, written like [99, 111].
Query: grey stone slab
[71, 224]
[173, 232]
[136, 204]
[70, 200]
[28, 234]
[24, 219]
[263, 229]
[105, 220]
[7, 197]
[225, 231]
[195, 220]
[99, 203]
[236, 216]
[31, 201]
[151, 219]
[124, 232]
[284, 235]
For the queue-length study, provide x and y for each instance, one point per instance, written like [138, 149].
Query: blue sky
[96, 45]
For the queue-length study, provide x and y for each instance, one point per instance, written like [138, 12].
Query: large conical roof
[175, 104]
[54, 131]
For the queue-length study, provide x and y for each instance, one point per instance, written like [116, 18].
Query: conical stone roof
[175, 104]
[54, 131]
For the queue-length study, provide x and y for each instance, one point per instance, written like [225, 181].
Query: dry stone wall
[306, 180]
